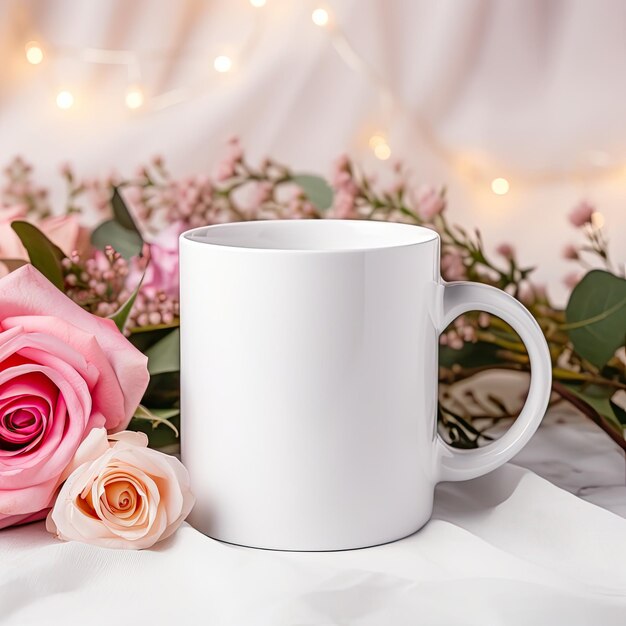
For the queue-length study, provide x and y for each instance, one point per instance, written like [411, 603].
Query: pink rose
[62, 230]
[581, 214]
[10, 245]
[430, 202]
[63, 372]
[122, 495]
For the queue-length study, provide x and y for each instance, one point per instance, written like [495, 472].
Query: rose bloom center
[22, 422]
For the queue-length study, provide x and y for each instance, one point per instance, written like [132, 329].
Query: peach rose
[63, 372]
[122, 495]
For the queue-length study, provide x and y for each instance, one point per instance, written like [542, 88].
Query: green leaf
[596, 316]
[599, 398]
[163, 390]
[121, 213]
[316, 189]
[166, 413]
[121, 315]
[164, 356]
[43, 254]
[145, 336]
[111, 233]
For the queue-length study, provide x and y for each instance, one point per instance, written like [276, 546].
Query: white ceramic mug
[309, 380]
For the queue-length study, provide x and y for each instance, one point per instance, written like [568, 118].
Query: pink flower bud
[66, 171]
[505, 250]
[570, 252]
[581, 214]
[225, 170]
[452, 266]
[430, 202]
[342, 163]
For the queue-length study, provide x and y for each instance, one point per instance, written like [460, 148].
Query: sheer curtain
[531, 91]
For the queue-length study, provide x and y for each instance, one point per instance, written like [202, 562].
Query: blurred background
[516, 107]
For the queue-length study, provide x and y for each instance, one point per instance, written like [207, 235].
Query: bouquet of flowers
[98, 308]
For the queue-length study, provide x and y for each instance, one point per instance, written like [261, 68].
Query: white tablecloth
[509, 548]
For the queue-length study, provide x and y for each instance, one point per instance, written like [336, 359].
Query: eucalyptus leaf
[596, 316]
[43, 254]
[164, 356]
[111, 233]
[121, 213]
[316, 189]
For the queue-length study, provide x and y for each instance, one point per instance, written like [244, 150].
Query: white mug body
[309, 381]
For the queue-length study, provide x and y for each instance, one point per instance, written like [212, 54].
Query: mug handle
[461, 297]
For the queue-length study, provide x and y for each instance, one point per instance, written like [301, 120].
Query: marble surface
[574, 454]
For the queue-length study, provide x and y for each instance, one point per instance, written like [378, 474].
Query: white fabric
[518, 87]
[509, 548]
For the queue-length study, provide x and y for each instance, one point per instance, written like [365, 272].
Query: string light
[34, 53]
[320, 17]
[65, 99]
[222, 64]
[134, 97]
[500, 186]
[132, 61]
[376, 140]
[380, 147]
[602, 165]
[382, 151]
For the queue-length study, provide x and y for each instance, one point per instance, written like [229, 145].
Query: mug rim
[406, 235]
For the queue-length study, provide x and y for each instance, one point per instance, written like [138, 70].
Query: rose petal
[26, 518]
[92, 447]
[62, 230]
[24, 501]
[127, 362]
[105, 389]
[131, 437]
[17, 389]
[67, 430]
